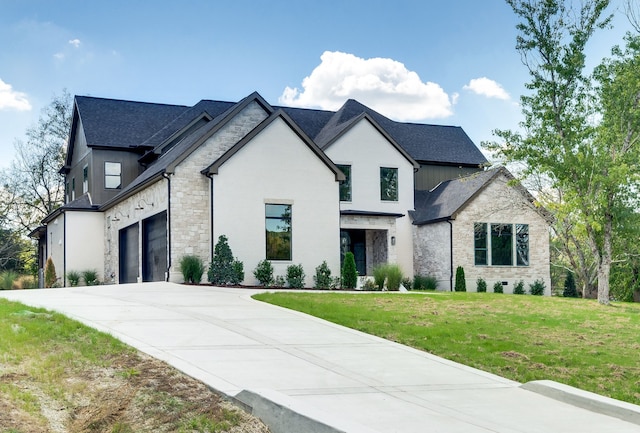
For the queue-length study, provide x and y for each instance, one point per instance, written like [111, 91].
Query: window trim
[119, 176]
[268, 218]
[515, 243]
[397, 189]
[85, 179]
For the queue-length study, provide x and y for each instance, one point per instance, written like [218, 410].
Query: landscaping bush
[394, 277]
[24, 282]
[537, 288]
[237, 272]
[278, 281]
[264, 273]
[192, 269]
[368, 284]
[428, 282]
[224, 269]
[481, 285]
[295, 276]
[7, 279]
[50, 278]
[461, 284]
[74, 278]
[519, 288]
[90, 277]
[380, 275]
[497, 287]
[570, 286]
[322, 279]
[349, 272]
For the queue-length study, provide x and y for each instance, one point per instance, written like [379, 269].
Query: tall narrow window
[278, 231]
[522, 244]
[68, 188]
[345, 185]
[388, 184]
[501, 244]
[85, 179]
[112, 175]
[480, 243]
[73, 189]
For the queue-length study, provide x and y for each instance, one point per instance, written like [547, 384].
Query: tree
[349, 272]
[32, 186]
[582, 139]
[461, 282]
[570, 286]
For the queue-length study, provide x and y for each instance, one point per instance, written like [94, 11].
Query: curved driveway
[302, 374]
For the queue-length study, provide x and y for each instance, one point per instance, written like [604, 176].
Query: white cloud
[487, 87]
[75, 42]
[12, 100]
[383, 84]
[59, 56]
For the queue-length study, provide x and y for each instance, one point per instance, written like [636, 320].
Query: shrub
[192, 269]
[237, 272]
[461, 284]
[481, 285]
[425, 283]
[537, 288]
[50, 278]
[264, 273]
[349, 272]
[322, 279]
[570, 286]
[368, 284]
[7, 279]
[90, 277]
[224, 269]
[295, 276]
[519, 288]
[278, 281]
[394, 277]
[74, 278]
[407, 283]
[380, 275]
[24, 282]
[497, 287]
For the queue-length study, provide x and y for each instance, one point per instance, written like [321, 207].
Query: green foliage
[192, 269]
[74, 278]
[237, 272]
[497, 287]
[461, 283]
[481, 285]
[380, 275]
[50, 278]
[394, 277]
[7, 279]
[349, 272]
[537, 288]
[279, 281]
[368, 284]
[570, 286]
[295, 276]
[322, 279]
[224, 269]
[518, 289]
[264, 273]
[407, 283]
[90, 277]
[428, 282]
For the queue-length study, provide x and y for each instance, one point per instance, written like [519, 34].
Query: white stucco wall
[277, 167]
[85, 242]
[366, 150]
[55, 245]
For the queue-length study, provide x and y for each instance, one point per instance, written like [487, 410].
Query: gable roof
[448, 198]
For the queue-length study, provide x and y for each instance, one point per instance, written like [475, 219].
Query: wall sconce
[140, 206]
[115, 217]
[393, 240]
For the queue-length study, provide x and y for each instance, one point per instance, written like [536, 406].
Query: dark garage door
[154, 247]
[128, 254]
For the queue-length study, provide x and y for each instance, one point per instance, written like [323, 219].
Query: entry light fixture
[393, 240]
[142, 202]
[116, 218]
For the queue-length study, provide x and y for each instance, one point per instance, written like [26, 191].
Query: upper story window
[112, 175]
[68, 191]
[495, 244]
[388, 184]
[73, 188]
[345, 185]
[85, 179]
[278, 231]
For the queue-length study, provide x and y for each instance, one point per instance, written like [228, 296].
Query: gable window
[73, 189]
[85, 179]
[112, 175]
[278, 231]
[501, 244]
[388, 184]
[345, 185]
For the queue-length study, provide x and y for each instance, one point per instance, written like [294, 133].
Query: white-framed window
[85, 179]
[73, 188]
[499, 244]
[112, 175]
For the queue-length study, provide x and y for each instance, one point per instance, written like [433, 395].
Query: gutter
[166, 176]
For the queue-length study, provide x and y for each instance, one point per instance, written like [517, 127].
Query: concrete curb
[586, 400]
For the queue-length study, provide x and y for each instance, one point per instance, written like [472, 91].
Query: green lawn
[523, 338]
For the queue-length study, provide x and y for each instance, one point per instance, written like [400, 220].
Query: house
[147, 184]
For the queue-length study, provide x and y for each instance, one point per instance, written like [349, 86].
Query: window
[501, 244]
[73, 189]
[85, 179]
[388, 184]
[68, 189]
[345, 185]
[112, 175]
[278, 231]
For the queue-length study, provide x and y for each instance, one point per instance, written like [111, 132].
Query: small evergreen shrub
[461, 284]
[278, 281]
[497, 287]
[264, 273]
[407, 283]
[221, 266]
[192, 269]
[74, 278]
[481, 285]
[428, 282]
[90, 277]
[237, 272]
[394, 277]
[570, 286]
[295, 276]
[380, 275]
[349, 272]
[519, 288]
[50, 278]
[322, 279]
[537, 288]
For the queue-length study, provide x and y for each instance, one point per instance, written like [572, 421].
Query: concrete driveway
[302, 374]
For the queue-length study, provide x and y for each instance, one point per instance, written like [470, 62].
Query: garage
[154, 247]
[128, 254]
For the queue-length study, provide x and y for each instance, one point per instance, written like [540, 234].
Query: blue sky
[444, 62]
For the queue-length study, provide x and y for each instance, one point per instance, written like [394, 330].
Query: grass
[523, 338]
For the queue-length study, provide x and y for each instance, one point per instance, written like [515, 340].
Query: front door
[355, 241]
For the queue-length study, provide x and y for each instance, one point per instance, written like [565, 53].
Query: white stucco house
[149, 183]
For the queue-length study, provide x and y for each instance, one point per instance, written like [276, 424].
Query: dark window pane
[388, 184]
[501, 244]
[480, 243]
[345, 185]
[522, 244]
[278, 231]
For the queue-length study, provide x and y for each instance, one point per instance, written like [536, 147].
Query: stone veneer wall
[432, 252]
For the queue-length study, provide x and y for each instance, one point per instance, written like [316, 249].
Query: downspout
[64, 249]
[166, 176]
[450, 255]
[210, 176]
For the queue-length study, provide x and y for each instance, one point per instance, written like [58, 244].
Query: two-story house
[147, 184]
